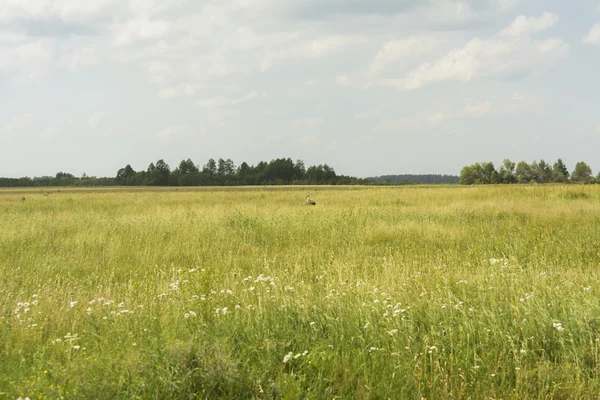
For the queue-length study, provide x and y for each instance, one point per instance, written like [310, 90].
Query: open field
[434, 292]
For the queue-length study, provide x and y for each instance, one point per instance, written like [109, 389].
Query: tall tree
[560, 173]
[489, 173]
[210, 168]
[524, 173]
[124, 175]
[582, 173]
[544, 172]
[507, 172]
[187, 167]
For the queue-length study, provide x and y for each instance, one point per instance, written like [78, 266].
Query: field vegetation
[411, 292]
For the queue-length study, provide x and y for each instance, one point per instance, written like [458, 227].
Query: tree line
[280, 171]
[411, 179]
[536, 172]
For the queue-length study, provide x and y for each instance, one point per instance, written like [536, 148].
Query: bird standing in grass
[310, 201]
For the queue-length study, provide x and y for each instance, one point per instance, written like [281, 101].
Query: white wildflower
[76, 347]
[587, 289]
[72, 304]
[288, 357]
[558, 326]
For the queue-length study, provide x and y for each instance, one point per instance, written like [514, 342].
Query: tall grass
[434, 292]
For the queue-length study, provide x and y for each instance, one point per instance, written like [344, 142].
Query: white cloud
[308, 123]
[499, 57]
[139, 29]
[328, 45]
[523, 26]
[399, 50]
[477, 110]
[225, 102]
[10, 128]
[554, 45]
[50, 133]
[96, 119]
[28, 60]
[459, 112]
[170, 132]
[593, 36]
[81, 58]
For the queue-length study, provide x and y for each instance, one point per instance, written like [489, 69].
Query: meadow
[399, 292]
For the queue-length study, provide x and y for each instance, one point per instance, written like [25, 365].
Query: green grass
[433, 292]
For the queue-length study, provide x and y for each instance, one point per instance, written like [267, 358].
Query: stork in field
[310, 201]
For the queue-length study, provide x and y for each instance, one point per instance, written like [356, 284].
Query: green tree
[299, 170]
[489, 174]
[187, 167]
[524, 173]
[544, 172]
[560, 173]
[159, 173]
[582, 173]
[221, 168]
[507, 172]
[210, 168]
[125, 176]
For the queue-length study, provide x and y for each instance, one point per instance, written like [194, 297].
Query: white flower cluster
[289, 356]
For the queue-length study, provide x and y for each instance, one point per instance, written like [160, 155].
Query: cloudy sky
[370, 87]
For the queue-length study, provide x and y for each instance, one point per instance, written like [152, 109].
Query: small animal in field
[310, 201]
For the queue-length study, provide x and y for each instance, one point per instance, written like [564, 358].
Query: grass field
[412, 292]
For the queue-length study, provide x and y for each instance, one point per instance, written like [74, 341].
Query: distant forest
[280, 171]
[536, 172]
[412, 179]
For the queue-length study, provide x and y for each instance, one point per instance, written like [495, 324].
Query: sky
[370, 87]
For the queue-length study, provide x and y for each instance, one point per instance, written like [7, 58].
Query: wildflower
[89, 310]
[304, 353]
[189, 314]
[443, 306]
[312, 323]
[288, 357]
[492, 375]
[72, 304]
[523, 351]
[367, 325]
[392, 332]
[558, 326]
[517, 369]
[160, 296]
[76, 347]
[587, 289]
